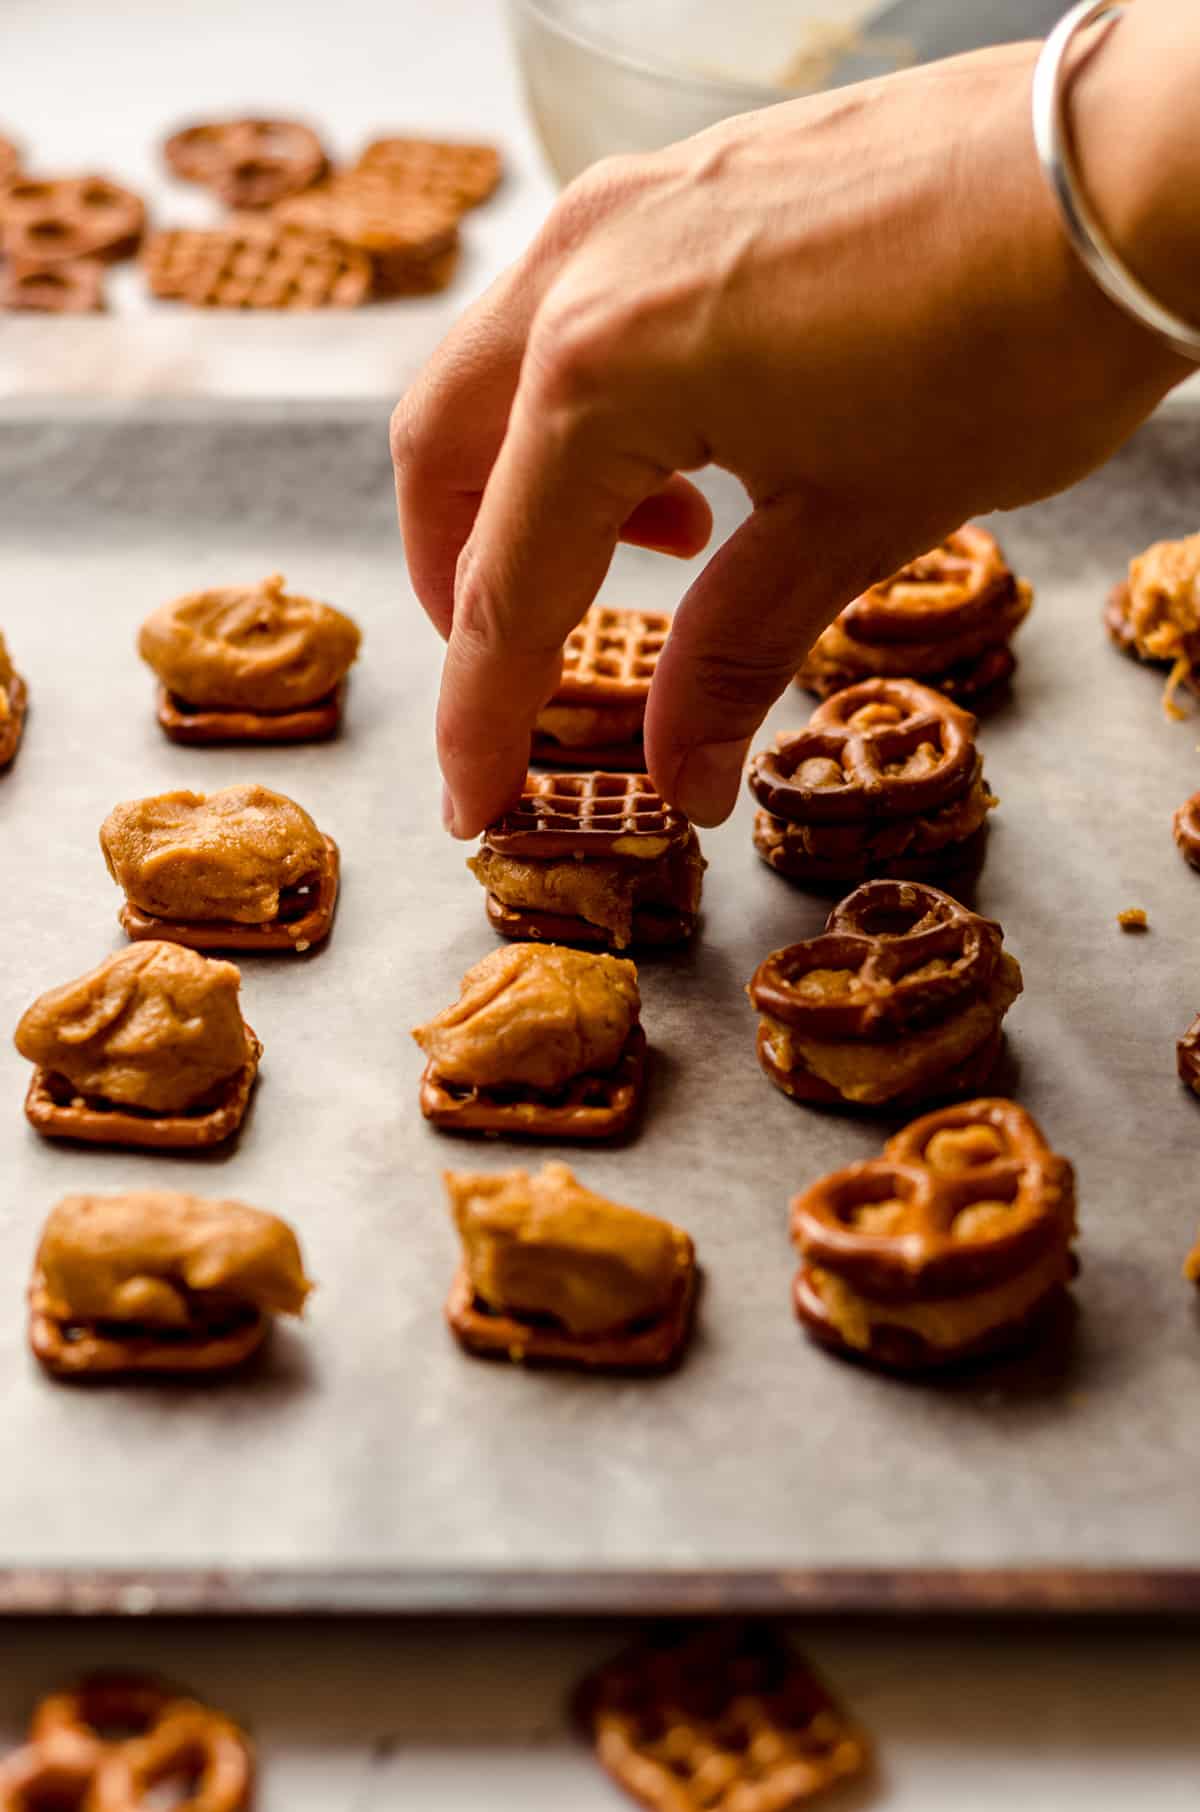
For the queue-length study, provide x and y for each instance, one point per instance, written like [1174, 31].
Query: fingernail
[447, 810]
[706, 787]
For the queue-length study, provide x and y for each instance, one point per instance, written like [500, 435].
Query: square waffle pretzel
[410, 240]
[304, 920]
[967, 1205]
[608, 663]
[255, 264]
[719, 1718]
[610, 657]
[586, 1108]
[652, 1346]
[610, 817]
[12, 728]
[586, 815]
[78, 1351]
[56, 1110]
[461, 174]
[199, 726]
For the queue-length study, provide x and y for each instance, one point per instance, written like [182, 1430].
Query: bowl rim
[678, 77]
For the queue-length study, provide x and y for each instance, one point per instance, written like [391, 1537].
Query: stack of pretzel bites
[297, 233]
[952, 1247]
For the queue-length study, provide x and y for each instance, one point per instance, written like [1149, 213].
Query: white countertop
[355, 1717]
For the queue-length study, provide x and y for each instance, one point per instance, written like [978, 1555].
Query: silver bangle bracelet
[1087, 236]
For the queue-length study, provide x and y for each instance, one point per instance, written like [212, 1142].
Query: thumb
[742, 631]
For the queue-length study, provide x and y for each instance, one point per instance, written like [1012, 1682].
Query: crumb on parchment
[1133, 919]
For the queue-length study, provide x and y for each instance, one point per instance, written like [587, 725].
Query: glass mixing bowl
[632, 75]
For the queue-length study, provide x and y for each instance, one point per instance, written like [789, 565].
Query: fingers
[447, 432]
[676, 520]
[554, 509]
[741, 632]
[448, 429]
[445, 435]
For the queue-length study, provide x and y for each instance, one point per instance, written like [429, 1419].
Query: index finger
[554, 508]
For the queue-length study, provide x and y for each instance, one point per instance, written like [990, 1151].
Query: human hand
[861, 304]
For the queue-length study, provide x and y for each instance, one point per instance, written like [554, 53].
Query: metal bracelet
[1084, 230]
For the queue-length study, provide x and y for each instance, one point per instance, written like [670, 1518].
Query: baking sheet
[370, 1464]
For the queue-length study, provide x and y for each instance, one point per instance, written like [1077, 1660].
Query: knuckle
[594, 196]
[404, 439]
[477, 616]
[744, 677]
[573, 346]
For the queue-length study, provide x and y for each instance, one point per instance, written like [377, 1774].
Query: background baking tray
[370, 1465]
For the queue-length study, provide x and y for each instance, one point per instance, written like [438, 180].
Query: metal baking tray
[370, 1465]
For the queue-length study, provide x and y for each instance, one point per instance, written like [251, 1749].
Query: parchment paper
[369, 1443]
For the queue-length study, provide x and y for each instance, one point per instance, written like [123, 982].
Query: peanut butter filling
[876, 1072]
[534, 1014]
[1163, 610]
[544, 1245]
[602, 892]
[592, 726]
[156, 1027]
[1164, 597]
[950, 1322]
[249, 647]
[147, 1256]
[227, 856]
[917, 836]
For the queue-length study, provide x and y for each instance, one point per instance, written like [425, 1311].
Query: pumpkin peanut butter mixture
[955, 1321]
[601, 891]
[873, 1073]
[148, 1256]
[156, 1027]
[227, 856]
[249, 647]
[1159, 610]
[534, 1014]
[591, 726]
[543, 1245]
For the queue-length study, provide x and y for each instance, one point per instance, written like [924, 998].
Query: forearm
[1134, 109]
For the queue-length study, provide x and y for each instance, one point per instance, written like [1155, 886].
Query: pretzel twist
[949, 591]
[913, 954]
[872, 732]
[930, 1176]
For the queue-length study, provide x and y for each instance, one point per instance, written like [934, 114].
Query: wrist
[1134, 135]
